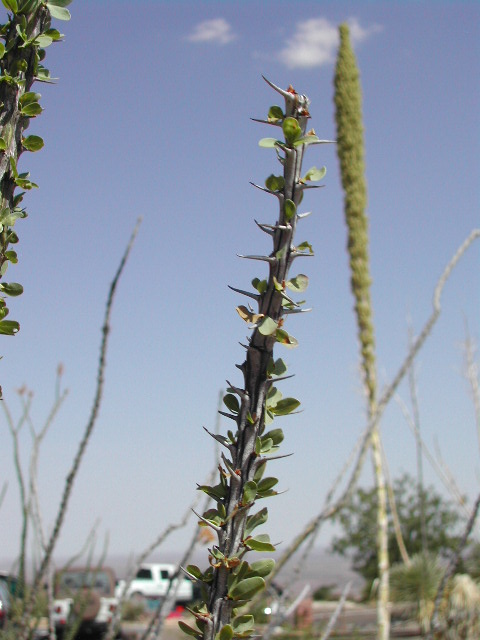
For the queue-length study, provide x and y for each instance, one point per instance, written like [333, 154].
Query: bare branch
[83, 444]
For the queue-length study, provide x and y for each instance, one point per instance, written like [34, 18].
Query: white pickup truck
[152, 582]
[85, 600]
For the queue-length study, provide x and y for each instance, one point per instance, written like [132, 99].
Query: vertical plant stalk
[230, 581]
[412, 383]
[350, 148]
[23, 39]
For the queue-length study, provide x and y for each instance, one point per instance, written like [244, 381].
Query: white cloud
[315, 42]
[217, 31]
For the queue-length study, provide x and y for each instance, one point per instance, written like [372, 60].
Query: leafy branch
[23, 40]
[231, 582]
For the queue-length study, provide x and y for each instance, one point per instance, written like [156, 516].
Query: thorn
[282, 92]
[228, 415]
[290, 311]
[304, 187]
[240, 392]
[285, 455]
[249, 294]
[324, 142]
[273, 193]
[273, 124]
[221, 439]
[298, 254]
[304, 215]
[291, 375]
[207, 522]
[269, 259]
[269, 228]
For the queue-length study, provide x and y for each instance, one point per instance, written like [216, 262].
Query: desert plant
[417, 583]
[25, 35]
[231, 581]
[350, 148]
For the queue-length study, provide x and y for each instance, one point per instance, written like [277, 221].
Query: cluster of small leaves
[23, 40]
[230, 582]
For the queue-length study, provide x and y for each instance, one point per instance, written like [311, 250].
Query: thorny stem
[251, 416]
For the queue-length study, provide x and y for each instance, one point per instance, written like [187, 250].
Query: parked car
[84, 598]
[4, 603]
[152, 581]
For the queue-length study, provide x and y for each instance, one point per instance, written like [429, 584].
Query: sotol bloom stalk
[350, 147]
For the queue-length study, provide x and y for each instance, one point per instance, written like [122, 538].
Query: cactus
[230, 581]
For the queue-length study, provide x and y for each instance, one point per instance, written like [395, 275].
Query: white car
[152, 581]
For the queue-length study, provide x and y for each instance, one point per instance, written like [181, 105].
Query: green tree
[358, 522]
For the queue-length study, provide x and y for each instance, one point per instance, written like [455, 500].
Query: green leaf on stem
[256, 520]
[31, 110]
[285, 406]
[9, 327]
[315, 174]
[226, 633]
[290, 209]
[246, 589]
[58, 12]
[189, 630]
[43, 41]
[298, 284]
[306, 140]
[266, 484]
[11, 289]
[266, 445]
[11, 256]
[231, 402]
[263, 568]
[268, 143]
[194, 571]
[291, 130]
[60, 3]
[259, 543]
[268, 327]
[33, 143]
[275, 183]
[275, 114]
[259, 285]
[249, 492]
[284, 338]
[10, 5]
[276, 435]
[304, 247]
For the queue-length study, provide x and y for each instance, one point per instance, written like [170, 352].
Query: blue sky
[151, 116]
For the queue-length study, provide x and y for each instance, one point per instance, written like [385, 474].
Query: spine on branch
[230, 581]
